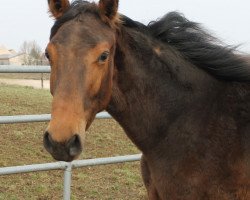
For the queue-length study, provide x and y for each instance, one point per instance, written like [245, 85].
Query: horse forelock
[76, 8]
[79, 7]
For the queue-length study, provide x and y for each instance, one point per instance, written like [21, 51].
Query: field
[21, 144]
[34, 76]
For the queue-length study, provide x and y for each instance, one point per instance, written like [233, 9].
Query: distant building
[10, 57]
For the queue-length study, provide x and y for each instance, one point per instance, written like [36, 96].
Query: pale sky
[229, 20]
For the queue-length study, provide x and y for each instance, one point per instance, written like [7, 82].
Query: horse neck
[153, 85]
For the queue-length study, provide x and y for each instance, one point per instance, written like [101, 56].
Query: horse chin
[66, 158]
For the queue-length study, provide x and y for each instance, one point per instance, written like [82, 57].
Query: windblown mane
[197, 46]
[200, 48]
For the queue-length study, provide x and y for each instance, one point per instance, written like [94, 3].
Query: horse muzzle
[63, 151]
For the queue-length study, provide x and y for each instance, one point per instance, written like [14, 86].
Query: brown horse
[182, 97]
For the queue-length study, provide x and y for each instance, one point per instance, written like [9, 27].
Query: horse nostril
[66, 151]
[47, 141]
[74, 145]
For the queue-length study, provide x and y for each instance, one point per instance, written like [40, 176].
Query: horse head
[81, 54]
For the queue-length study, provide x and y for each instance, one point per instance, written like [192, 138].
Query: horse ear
[58, 7]
[108, 9]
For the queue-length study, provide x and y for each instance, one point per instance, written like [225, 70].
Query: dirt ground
[26, 82]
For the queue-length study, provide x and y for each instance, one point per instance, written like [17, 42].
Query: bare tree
[33, 54]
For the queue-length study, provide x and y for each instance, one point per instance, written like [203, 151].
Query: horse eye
[103, 57]
[47, 55]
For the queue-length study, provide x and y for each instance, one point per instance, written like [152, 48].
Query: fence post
[67, 182]
[42, 80]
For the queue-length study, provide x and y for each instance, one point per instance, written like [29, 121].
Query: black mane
[196, 44]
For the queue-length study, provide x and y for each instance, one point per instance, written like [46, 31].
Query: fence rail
[64, 165]
[67, 167]
[38, 118]
[24, 69]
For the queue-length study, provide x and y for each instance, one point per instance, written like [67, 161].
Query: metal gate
[66, 166]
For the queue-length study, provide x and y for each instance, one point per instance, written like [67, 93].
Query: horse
[181, 96]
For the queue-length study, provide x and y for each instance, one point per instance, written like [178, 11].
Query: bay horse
[181, 96]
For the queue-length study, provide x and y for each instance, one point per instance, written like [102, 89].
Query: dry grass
[34, 76]
[21, 144]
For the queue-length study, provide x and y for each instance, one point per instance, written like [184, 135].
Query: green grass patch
[21, 144]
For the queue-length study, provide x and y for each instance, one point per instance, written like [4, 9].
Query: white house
[10, 57]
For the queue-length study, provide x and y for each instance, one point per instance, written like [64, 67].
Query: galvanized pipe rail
[67, 167]
[63, 165]
[24, 69]
[38, 118]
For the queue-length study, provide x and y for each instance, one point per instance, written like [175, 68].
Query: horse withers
[181, 97]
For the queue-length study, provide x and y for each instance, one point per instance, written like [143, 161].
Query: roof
[9, 56]
[4, 50]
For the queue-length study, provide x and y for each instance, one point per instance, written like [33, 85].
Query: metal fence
[67, 167]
